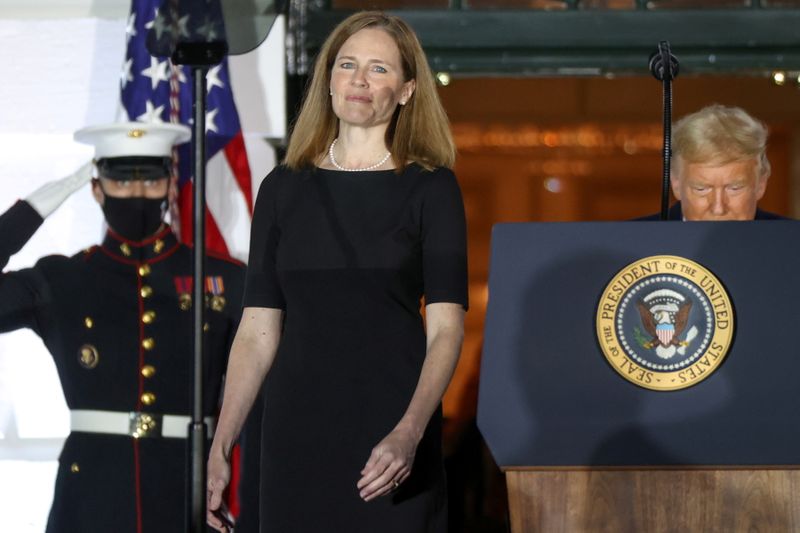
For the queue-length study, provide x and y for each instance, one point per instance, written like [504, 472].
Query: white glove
[49, 196]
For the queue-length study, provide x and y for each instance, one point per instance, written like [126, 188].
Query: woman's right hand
[219, 475]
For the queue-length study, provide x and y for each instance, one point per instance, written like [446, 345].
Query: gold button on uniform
[74, 468]
[148, 398]
[185, 301]
[88, 322]
[144, 270]
[88, 356]
[148, 371]
[149, 343]
[158, 246]
[146, 291]
[125, 249]
[148, 317]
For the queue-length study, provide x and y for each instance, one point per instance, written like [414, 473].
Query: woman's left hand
[389, 464]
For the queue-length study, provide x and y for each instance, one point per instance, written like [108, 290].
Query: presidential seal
[665, 323]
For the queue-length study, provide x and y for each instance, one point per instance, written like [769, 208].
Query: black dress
[349, 256]
[118, 322]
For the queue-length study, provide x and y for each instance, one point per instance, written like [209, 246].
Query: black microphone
[664, 65]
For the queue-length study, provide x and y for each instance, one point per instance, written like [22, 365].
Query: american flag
[155, 90]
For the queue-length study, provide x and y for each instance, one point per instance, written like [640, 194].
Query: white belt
[135, 424]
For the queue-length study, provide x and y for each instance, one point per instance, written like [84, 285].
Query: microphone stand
[192, 33]
[199, 56]
[200, 45]
[664, 67]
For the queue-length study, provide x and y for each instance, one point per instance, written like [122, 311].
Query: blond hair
[419, 130]
[719, 135]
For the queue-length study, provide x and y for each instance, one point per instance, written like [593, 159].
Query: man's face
[718, 192]
[131, 188]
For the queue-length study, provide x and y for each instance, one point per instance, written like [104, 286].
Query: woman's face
[367, 79]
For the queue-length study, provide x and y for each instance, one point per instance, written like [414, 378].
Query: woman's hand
[392, 459]
[219, 475]
[252, 353]
[389, 464]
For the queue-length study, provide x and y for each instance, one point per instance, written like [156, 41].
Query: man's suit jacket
[676, 213]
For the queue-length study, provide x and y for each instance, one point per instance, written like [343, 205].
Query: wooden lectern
[584, 448]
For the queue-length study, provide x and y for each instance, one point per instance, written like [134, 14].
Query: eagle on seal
[658, 322]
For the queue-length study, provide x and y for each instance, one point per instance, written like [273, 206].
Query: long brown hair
[419, 130]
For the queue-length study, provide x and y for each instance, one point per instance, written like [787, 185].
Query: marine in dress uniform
[117, 320]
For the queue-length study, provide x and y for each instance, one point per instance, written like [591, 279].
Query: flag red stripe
[236, 154]
[214, 239]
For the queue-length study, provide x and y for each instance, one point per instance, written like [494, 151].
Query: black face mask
[134, 218]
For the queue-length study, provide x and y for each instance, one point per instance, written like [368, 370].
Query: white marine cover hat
[124, 139]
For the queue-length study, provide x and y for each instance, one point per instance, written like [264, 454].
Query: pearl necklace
[340, 167]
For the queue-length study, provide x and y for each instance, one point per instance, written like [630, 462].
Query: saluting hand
[52, 194]
[389, 464]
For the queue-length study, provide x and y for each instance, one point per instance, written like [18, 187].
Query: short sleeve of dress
[261, 283]
[444, 241]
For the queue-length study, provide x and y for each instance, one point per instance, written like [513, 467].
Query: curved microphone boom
[664, 66]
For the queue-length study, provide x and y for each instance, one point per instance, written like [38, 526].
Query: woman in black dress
[362, 221]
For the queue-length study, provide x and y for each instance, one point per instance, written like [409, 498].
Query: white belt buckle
[143, 425]
[135, 424]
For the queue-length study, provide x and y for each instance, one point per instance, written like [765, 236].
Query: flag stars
[126, 75]
[130, 28]
[151, 113]
[211, 116]
[183, 26]
[179, 72]
[149, 25]
[156, 23]
[212, 78]
[155, 15]
[157, 72]
[208, 30]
